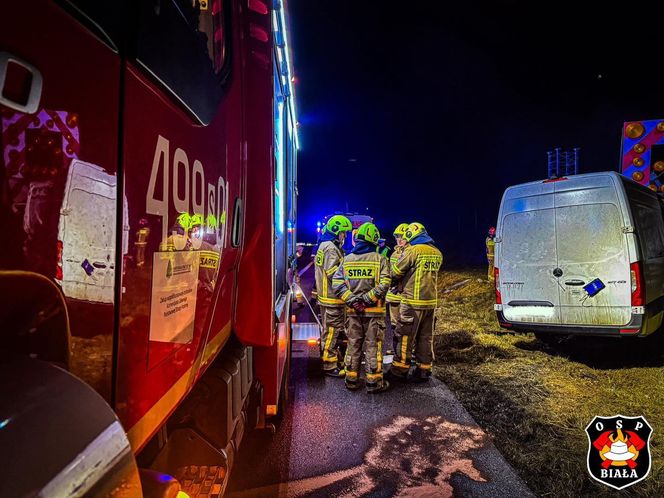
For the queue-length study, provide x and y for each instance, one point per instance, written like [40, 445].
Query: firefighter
[417, 274]
[490, 252]
[383, 249]
[332, 309]
[362, 281]
[393, 297]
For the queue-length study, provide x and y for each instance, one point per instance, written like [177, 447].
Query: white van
[87, 234]
[580, 255]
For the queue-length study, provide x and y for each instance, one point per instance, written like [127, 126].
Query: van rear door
[592, 245]
[527, 255]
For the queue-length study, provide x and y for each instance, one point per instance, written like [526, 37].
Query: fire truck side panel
[76, 119]
[176, 308]
[254, 319]
[263, 305]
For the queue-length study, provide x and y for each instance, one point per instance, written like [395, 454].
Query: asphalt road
[412, 441]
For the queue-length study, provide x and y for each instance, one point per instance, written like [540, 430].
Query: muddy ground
[535, 398]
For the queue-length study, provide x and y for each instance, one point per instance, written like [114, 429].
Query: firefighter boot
[352, 381]
[378, 387]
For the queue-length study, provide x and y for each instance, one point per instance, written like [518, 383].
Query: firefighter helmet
[492, 231]
[184, 220]
[196, 220]
[368, 232]
[337, 224]
[413, 230]
[400, 230]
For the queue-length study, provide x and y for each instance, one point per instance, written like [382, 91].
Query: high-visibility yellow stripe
[399, 364]
[374, 310]
[331, 271]
[396, 270]
[329, 300]
[379, 355]
[142, 430]
[419, 302]
[404, 346]
[393, 298]
[374, 377]
[328, 342]
[424, 366]
[350, 374]
[346, 295]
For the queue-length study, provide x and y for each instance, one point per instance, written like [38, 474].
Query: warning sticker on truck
[174, 286]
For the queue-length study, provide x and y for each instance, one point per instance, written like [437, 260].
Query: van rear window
[528, 238]
[589, 233]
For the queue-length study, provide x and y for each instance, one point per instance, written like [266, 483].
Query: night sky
[427, 110]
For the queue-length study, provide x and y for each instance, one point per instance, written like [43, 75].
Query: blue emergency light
[594, 287]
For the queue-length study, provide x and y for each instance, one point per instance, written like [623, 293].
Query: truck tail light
[58, 266]
[496, 274]
[638, 292]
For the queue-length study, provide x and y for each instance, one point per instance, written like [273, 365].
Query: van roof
[569, 182]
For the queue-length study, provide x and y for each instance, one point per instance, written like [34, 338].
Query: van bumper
[633, 328]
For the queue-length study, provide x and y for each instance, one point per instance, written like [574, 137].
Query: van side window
[183, 43]
[650, 229]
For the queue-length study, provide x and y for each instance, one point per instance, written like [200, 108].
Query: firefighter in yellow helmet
[417, 274]
[361, 281]
[490, 252]
[393, 297]
[332, 309]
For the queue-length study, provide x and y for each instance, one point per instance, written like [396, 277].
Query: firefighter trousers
[414, 332]
[365, 332]
[393, 317]
[491, 276]
[334, 322]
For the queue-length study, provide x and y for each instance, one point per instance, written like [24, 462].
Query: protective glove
[356, 303]
[367, 301]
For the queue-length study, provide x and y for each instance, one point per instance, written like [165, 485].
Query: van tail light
[638, 291]
[496, 274]
[58, 266]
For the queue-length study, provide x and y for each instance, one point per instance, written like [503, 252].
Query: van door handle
[98, 264]
[34, 95]
[575, 283]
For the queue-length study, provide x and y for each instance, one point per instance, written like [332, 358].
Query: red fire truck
[148, 210]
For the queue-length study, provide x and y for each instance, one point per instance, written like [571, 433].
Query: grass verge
[535, 399]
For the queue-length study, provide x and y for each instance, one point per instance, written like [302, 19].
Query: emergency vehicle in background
[148, 210]
[356, 219]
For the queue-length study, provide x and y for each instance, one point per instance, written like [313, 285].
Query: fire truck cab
[148, 207]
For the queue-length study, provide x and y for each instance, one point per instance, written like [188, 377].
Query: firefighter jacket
[417, 272]
[490, 247]
[328, 258]
[394, 293]
[363, 273]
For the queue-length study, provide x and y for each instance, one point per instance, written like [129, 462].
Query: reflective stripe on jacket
[328, 258]
[490, 247]
[363, 274]
[418, 271]
[394, 293]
